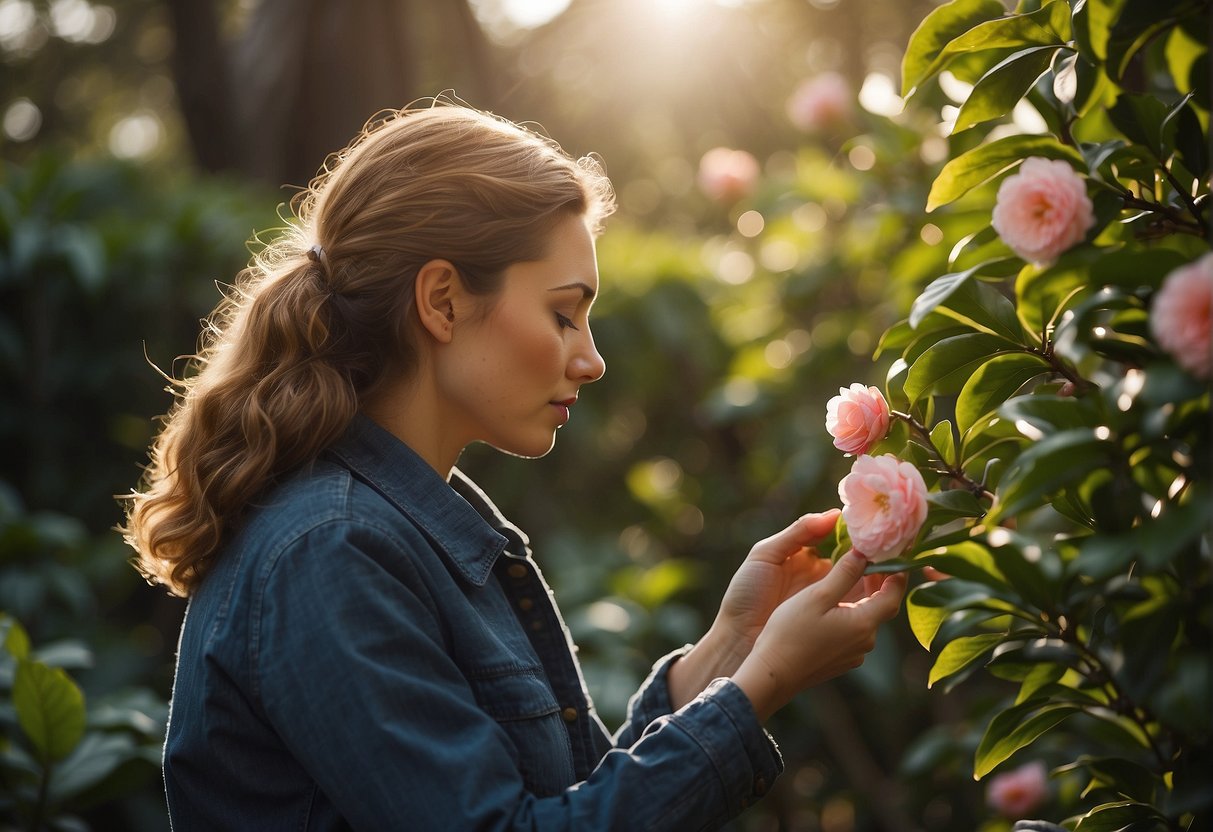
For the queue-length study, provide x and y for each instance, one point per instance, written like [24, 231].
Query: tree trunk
[305, 76]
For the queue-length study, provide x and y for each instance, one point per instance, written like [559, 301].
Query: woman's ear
[438, 295]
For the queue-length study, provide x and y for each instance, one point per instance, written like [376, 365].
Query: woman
[368, 643]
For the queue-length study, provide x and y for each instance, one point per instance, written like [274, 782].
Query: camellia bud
[858, 417]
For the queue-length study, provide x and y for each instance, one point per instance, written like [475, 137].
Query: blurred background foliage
[144, 141]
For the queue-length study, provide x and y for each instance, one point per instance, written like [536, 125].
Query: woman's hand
[775, 570]
[818, 633]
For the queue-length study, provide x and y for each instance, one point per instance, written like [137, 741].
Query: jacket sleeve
[350, 667]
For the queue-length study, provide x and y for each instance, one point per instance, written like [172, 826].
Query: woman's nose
[587, 364]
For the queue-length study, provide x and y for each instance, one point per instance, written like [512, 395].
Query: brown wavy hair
[301, 340]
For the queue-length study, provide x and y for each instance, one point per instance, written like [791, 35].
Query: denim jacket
[375, 648]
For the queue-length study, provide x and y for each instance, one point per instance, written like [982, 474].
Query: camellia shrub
[1043, 439]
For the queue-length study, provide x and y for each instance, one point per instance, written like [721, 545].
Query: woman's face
[511, 375]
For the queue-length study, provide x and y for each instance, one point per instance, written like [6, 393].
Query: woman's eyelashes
[565, 322]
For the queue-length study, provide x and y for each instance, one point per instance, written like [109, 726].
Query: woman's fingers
[804, 532]
[835, 586]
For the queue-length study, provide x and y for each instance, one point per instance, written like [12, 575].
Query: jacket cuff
[653, 698]
[722, 721]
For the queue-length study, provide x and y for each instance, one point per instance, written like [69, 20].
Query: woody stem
[954, 471]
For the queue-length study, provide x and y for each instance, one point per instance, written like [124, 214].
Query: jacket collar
[457, 517]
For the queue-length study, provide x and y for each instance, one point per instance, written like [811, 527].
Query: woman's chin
[528, 450]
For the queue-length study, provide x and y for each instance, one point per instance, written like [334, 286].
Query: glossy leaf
[1115, 817]
[981, 164]
[1046, 466]
[930, 604]
[946, 366]
[937, 30]
[960, 653]
[1048, 414]
[941, 438]
[1015, 728]
[1000, 89]
[993, 383]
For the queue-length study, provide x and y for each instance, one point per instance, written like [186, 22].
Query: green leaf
[981, 306]
[930, 604]
[939, 294]
[984, 162]
[16, 641]
[1016, 728]
[1041, 675]
[1048, 414]
[970, 561]
[1014, 31]
[948, 505]
[945, 367]
[1093, 37]
[994, 382]
[937, 30]
[1189, 138]
[1141, 118]
[1184, 55]
[925, 619]
[941, 437]
[1047, 466]
[1139, 22]
[1133, 780]
[962, 652]
[1114, 817]
[1000, 89]
[50, 709]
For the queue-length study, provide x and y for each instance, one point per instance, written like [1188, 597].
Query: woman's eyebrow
[584, 287]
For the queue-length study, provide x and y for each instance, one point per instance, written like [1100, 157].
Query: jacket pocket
[522, 703]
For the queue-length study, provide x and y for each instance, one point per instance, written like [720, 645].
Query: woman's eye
[564, 322]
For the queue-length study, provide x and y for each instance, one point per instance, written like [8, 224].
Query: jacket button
[525, 604]
[569, 714]
[517, 570]
[760, 786]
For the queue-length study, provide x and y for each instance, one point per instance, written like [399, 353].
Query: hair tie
[315, 253]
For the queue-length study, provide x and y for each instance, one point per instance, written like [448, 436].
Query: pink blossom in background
[821, 101]
[1180, 316]
[857, 418]
[1014, 794]
[727, 175]
[1042, 210]
[884, 504]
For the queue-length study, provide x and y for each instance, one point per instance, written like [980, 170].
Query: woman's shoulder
[324, 499]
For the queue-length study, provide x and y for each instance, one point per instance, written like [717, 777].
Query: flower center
[882, 500]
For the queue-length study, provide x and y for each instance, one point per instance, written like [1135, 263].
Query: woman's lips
[563, 408]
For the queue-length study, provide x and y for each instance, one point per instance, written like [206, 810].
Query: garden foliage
[1066, 450]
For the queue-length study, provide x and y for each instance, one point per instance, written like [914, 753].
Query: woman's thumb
[841, 579]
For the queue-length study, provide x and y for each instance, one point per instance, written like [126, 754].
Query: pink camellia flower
[1014, 794]
[884, 504]
[1180, 316]
[820, 102]
[1042, 210]
[726, 175]
[857, 418]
